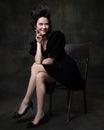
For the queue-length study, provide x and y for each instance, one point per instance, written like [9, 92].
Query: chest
[44, 45]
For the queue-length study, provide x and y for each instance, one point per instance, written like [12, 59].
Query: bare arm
[48, 61]
[38, 57]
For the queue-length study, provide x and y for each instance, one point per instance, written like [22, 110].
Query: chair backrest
[80, 52]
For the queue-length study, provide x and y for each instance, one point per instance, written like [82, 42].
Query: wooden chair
[80, 52]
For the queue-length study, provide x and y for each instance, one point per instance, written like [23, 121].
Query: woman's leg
[41, 78]
[30, 89]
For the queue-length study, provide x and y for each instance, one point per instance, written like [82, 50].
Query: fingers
[38, 33]
[38, 38]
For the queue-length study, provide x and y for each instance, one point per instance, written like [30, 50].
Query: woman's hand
[39, 37]
[38, 57]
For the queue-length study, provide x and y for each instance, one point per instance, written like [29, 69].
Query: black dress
[64, 68]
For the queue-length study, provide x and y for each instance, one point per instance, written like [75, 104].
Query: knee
[40, 77]
[33, 68]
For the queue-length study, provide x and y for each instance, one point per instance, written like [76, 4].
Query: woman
[51, 64]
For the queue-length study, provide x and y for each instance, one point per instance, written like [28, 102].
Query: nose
[44, 26]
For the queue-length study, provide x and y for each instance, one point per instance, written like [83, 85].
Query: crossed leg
[41, 78]
[37, 81]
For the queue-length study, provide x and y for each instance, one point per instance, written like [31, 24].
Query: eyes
[43, 24]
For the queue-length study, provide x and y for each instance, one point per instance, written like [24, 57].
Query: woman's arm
[38, 57]
[48, 61]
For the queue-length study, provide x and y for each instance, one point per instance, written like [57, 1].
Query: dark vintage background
[82, 21]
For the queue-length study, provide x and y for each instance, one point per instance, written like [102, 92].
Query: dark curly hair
[40, 11]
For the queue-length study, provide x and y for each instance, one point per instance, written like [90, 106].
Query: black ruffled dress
[64, 69]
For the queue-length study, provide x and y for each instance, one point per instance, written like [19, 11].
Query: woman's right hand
[39, 37]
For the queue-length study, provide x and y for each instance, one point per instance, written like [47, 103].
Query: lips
[43, 31]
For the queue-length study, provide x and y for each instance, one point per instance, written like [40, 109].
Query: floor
[11, 97]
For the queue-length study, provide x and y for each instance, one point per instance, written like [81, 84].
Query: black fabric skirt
[66, 72]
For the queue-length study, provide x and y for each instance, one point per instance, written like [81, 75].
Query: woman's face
[42, 25]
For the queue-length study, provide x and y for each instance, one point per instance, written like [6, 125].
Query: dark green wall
[82, 21]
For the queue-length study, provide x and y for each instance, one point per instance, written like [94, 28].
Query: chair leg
[50, 103]
[69, 103]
